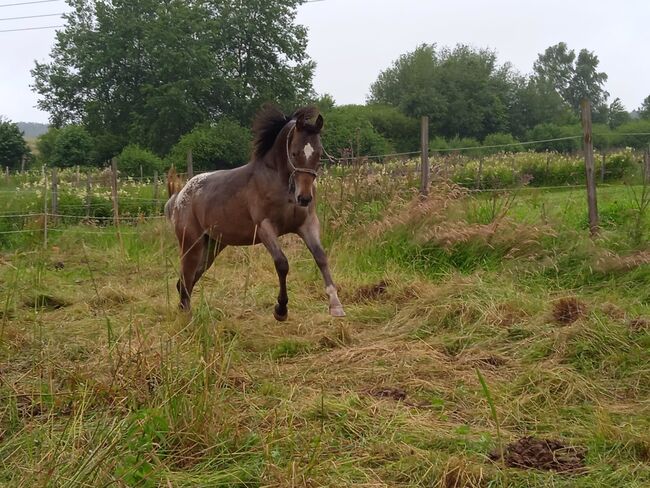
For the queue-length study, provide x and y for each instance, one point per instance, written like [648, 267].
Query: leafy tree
[462, 90]
[223, 145]
[617, 115]
[12, 145]
[45, 144]
[500, 139]
[144, 71]
[134, 158]
[545, 132]
[349, 126]
[574, 78]
[73, 147]
[644, 109]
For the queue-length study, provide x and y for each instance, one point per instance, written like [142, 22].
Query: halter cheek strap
[293, 167]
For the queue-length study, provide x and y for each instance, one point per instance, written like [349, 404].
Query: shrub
[349, 124]
[223, 145]
[45, 144]
[134, 157]
[635, 127]
[501, 139]
[73, 147]
[12, 145]
[543, 132]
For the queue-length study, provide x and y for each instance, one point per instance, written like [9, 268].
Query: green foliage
[640, 141]
[545, 132]
[73, 147]
[133, 159]
[223, 145]
[46, 144]
[348, 125]
[12, 145]
[501, 139]
[148, 72]
[644, 109]
[401, 131]
[574, 78]
[462, 90]
[617, 115]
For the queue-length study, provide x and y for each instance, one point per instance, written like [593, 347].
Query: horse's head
[304, 152]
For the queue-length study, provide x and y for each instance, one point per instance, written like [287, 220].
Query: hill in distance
[32, 130]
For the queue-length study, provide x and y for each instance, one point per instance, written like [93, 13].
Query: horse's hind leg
[192, 249]
[211, 250]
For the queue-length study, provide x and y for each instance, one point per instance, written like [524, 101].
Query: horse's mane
[270, 121]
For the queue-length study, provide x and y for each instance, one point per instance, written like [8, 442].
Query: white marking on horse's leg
[336, 308]
[308, 151]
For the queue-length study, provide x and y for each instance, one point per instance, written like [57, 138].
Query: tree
[12, 145]
[644, 109]
[462, 90]
[147, 72]
[348, 127]
[574, 78]
[73, 147]
[223, 145]
[617, 115]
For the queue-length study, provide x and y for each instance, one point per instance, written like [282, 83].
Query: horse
[272, 195]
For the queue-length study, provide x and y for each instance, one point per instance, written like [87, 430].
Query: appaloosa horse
[270, 196]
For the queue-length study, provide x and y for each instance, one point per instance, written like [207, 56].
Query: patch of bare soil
[543, 454]
[43, 301]
[568, 310]
[639, 324]
[371, 292]
[398, 394]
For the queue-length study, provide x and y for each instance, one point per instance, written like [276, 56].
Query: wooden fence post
[77, 178]
[190, 165]
[479, 175]
[424, 156]
[589, 166]
[116, 209]
[7, 173]
[44, 208]
[155, 187]
[89, 196]
[22, 164]
[55, 195]
[602, 167]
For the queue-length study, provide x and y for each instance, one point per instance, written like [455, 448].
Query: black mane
[270, 121]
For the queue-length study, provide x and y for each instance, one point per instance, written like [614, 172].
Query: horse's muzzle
[304, 201]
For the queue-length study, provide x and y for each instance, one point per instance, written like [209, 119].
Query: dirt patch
[371, 292]
[613, 311]
[48, 302]
[567, 310]
[398, 394]
[639, 324]
[543, 454]
[491, 361]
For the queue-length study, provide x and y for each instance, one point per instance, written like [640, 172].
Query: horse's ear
[319, 123]
[300, 123]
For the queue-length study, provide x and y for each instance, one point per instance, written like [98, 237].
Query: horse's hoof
[280, 317]
[337, 312]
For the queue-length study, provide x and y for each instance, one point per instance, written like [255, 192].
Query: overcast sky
[353, 40]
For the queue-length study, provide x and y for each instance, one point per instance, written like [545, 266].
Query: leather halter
[293, 167]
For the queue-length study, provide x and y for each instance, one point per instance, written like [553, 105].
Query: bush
[342, 126]
[501, 139]
[45, 144]
[223, 145]
[12, 145]
[635, 127]
[133, 158]
[73, 147]
[401, 131]
[543, 132]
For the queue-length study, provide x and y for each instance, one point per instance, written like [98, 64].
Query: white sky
[353, 40]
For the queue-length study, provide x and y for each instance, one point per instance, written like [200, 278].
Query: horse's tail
[174, 182]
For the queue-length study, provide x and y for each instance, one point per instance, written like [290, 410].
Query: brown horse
[271, 196]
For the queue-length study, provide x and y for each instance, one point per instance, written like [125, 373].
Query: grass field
[473, 322]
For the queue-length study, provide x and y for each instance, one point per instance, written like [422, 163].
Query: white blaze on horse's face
[309, 150]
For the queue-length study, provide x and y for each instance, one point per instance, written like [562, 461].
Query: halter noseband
[293, 167]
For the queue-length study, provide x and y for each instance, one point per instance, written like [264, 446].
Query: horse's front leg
[269, 238]
[310, 233]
